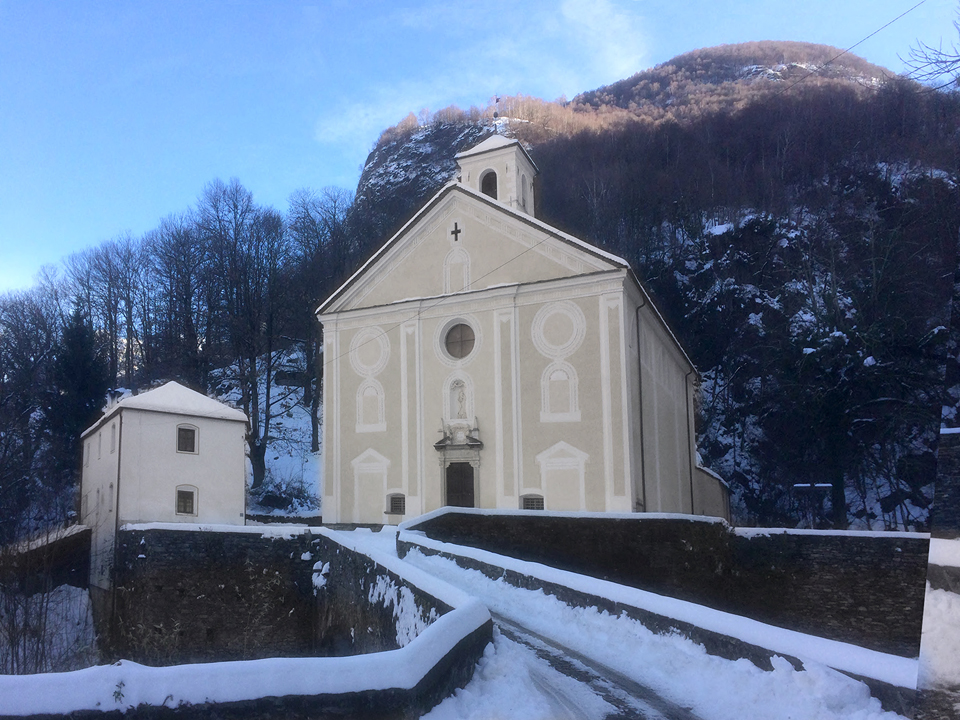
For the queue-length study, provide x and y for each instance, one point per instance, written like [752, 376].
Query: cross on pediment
[456, 232]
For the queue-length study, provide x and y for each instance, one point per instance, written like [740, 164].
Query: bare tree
[936, 65]
[317, 225]
[248, 246]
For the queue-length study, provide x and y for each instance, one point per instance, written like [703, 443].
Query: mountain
[794, 209]
[729, 76]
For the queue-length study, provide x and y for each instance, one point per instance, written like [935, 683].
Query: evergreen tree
[80, 383]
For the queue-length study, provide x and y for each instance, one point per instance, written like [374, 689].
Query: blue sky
[116, 114]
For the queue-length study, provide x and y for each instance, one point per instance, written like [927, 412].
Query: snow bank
[940, 642]
[944, 552]
[671, 665]
[125, 685]
[763, 532]
[890, 669]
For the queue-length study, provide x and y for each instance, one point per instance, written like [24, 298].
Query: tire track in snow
[631, 699]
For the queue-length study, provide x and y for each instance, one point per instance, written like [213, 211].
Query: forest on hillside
[801, 237]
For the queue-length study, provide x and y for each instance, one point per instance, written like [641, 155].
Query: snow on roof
[494, 142]
[177, 399]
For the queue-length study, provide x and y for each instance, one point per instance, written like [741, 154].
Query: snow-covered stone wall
[862, 588]
[396, 640]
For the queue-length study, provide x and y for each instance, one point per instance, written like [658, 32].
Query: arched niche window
[186, 500]
[456, 271]
[370, 407]
[113, 437]
[187, 439]
[523, 192]
[562, 476]
[396, 504]
[459, 398]
[558, 393]
[531, 502]
[488, 184]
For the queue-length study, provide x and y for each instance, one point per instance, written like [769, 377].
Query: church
[482, 358]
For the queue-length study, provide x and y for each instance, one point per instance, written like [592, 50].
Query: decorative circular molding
[369, 351]
[440, 340]
[558, 329]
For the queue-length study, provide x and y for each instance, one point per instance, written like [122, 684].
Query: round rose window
[459, 341]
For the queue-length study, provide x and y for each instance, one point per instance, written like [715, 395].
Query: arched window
[488, 184]
[113, 437]
[370, 407]
[558, 391]
[523, 192]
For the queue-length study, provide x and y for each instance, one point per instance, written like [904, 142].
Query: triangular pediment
[464, 241]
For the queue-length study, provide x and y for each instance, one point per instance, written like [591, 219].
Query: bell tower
[501, 169]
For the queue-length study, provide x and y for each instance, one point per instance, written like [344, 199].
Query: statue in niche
[458, 397]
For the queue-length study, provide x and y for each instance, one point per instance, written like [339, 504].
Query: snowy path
[630, 699]
[507, 682]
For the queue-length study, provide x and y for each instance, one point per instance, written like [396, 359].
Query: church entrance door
[460, 484]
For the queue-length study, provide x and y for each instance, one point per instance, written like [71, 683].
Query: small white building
[166, 455]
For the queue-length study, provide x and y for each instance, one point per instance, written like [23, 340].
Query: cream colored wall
[501, 249]
[98, 498]
[152, 469]
[669, 448]
[711, 496]
[399, 348]
[512, 170]
[389, 338]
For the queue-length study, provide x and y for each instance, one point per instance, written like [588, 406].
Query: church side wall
[669, 441]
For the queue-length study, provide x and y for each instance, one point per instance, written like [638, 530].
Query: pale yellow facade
[137, 467]
[573, 395]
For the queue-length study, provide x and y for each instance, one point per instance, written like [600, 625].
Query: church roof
[495, 142]
[176, 399]
[614, 261]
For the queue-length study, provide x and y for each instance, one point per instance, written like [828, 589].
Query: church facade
[482, 358]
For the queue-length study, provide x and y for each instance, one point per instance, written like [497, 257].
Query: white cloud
[612, 37]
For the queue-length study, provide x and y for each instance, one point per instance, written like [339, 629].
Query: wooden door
[460, 484]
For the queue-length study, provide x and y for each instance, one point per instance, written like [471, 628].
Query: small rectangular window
[185, 502]
[398, 504]
[532, 502]
[186, 440]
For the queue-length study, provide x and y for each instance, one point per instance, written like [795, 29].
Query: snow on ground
[293, 471]
[945, 553]
[46, 632]
[940, 641]
[677, 668]
[506, 684]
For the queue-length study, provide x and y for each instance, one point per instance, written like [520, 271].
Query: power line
[421, 310]
[844, 52]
